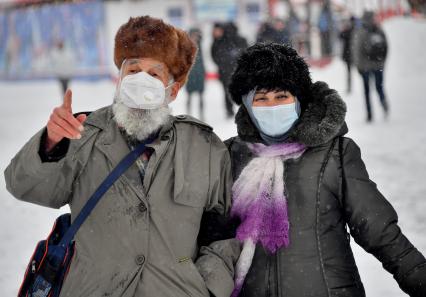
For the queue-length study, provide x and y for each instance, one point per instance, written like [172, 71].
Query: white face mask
[142, 91]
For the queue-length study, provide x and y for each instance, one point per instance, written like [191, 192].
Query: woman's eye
[260, 99]
[282, 95]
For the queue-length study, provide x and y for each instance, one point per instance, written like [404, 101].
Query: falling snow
[394, 150]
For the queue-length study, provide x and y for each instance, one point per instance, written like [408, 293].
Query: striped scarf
[260, 202]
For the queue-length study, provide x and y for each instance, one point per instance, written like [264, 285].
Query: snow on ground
[393, 150]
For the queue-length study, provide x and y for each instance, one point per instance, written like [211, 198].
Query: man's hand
[62, 123]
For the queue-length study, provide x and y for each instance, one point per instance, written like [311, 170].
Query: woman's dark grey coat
[323, 198]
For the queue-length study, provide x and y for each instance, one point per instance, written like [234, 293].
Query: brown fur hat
[152, 38]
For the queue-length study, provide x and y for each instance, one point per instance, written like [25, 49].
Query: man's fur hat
[147, 37]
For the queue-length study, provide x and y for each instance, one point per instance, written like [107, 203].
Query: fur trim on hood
[322, 120]
[147, 37]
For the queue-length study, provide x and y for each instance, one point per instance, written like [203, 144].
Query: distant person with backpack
[370, 49]
[226, 47]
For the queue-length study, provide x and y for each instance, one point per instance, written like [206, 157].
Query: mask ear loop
[167, 95]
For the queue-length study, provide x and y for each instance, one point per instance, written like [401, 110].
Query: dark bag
[52, 257]
[49, 264]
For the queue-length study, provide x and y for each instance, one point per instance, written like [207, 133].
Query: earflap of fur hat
[147, 37]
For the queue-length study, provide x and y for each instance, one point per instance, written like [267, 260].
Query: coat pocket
[195, 284]
[192, 169]
[190, 188]
[188, 199]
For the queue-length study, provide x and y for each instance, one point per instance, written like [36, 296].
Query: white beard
[139, 123]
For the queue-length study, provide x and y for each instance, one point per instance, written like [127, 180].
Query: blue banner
[60, 40]
[215, 10]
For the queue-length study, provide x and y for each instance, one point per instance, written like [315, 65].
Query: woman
[299, 182]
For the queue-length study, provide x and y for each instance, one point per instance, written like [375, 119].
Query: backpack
[375, 46]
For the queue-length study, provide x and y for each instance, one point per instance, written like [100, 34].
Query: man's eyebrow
[133, 62]
[159, 66]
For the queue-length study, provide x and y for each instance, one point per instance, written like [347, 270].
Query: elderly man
[141, 239]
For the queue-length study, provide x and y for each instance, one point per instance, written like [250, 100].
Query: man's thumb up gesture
[62, 123]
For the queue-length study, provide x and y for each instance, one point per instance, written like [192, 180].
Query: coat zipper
[277, 273]
[268, 269]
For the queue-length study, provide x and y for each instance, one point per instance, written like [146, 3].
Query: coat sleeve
[213, 51]
[373, 224]
[386, 42]
[219, 250]
[30, 179]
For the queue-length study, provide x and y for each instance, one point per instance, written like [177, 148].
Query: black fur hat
[271, 66]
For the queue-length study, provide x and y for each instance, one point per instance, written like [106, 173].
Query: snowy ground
[393, 150]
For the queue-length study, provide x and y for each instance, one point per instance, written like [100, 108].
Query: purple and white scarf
[259, 201]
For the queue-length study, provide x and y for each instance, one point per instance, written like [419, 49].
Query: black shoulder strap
[326, 159]
[343, 181]
[341, 139]
[124, 164]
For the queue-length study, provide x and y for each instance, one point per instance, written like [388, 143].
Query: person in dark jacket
[370, 52]
[326, 27]
[196, 77]
[275, 31]
[266, 32]
[226, 47]
[299, 182]
[346, 38]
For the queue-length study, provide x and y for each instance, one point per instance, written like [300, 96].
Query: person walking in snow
[63, 62]
[196, 77]
[226, 47]
[326, 27]
[370, 49]
[346, 36]
[141, 239]
[300, 186]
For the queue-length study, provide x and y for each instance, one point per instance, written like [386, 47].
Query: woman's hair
[272, 67]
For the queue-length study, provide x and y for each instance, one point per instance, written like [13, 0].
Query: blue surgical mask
[275, 120]
[277, 125]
